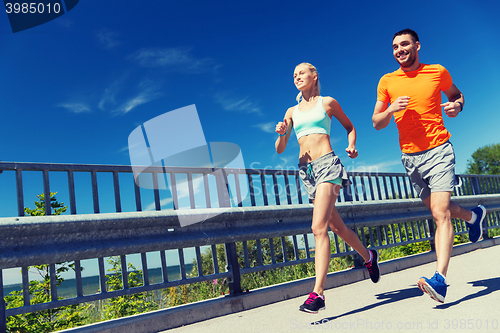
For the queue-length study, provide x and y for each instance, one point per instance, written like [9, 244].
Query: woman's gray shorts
[431, 170]
[323, 169]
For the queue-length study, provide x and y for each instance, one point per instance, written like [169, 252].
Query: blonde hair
[313, 70]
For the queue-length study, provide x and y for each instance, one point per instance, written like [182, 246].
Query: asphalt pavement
[395, 304]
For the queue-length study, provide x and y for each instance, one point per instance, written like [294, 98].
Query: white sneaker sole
[313, 312]
[481, 222]
[426, 288]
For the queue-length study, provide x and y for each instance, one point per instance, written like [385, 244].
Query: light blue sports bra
[314, 121]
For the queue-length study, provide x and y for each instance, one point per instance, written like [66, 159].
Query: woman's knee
[319, 229]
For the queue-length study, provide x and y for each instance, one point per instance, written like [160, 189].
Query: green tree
[485, 161]
[46, 320]
[127, 305]
[39, 290]
[57, 207]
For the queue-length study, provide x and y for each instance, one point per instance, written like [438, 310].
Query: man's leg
[475, 224]
[439, 205]
[457, 211]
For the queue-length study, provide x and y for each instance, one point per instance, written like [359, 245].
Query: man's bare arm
[383, 113]
[455, 102]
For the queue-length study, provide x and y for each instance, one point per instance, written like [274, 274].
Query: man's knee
[441, 214]
[440, 217]
[440, 205]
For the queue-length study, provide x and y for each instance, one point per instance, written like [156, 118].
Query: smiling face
[405, 50]
[303, 77]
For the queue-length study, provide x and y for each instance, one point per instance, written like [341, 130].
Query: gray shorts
[431, 170]
[326, 168]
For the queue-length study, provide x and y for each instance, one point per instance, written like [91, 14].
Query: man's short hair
[410, 32]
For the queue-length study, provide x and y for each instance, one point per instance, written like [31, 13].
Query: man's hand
[452, 109]
[399, 104]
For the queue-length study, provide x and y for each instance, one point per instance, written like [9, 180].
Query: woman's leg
[347, 234]
[325, 214]
[324, 205]
[338, 226]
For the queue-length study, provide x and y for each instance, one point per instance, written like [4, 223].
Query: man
[413, 95]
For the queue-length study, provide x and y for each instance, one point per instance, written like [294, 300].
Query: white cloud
[64, 22]
[75, 107]
[113, 99]
[173, 59]
[267, 127]
[124, 149]
[163, 202]
[146, 91]
[142, 97]
[183, 188]
[109, 95]
[182, 193]
[108, 39]
[238, 104]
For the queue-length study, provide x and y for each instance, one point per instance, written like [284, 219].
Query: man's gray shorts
[431, 170]
[323, 169]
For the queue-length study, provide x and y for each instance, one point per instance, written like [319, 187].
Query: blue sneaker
[435, 287]
[476, 229]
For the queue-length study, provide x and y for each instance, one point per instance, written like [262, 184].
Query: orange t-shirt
[421, 125]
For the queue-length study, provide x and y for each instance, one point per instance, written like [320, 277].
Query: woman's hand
[282, 127]
[351, 152]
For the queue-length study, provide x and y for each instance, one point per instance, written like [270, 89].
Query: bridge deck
[394, 304]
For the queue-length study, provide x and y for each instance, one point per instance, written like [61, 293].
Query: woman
[322, 174]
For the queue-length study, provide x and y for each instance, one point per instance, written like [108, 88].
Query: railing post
[476, 186]
[432, 233]
[3, 318]
[19, 190]
[358, 262]
[357, 259]
[347, 193]
[234, 281]
[485, 227]
[222, 188]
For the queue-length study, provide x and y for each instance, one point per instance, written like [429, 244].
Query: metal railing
[380, 207]
[265, 187]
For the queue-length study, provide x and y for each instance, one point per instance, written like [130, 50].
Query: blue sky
[73, 89]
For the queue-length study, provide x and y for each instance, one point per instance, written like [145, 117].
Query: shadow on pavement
[491, 285]
[388, 297]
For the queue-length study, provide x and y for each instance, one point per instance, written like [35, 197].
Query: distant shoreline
[91, 284]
